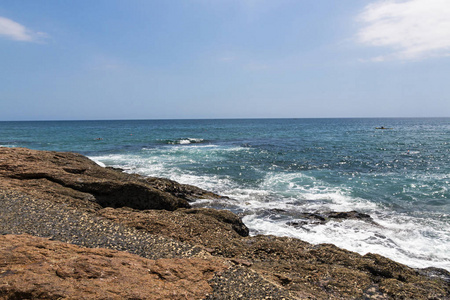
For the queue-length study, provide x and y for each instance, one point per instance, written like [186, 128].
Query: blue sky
[66, 60]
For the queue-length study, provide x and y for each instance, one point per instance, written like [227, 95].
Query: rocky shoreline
[71, 229]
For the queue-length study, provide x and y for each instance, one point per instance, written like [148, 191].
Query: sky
[196, 59]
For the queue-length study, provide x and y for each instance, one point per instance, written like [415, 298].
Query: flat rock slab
[36, 268]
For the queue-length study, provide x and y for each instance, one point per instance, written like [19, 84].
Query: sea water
[275, 170]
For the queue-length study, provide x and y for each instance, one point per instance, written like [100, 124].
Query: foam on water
[279, 198]
[165, 163]
[185, 141]
[417, 242]
[271, 186]
[408, 244]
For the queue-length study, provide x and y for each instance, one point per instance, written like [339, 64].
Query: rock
[36, 268]
[73, 178]
[194, 228]
[232, 265]
[435, 273]
[305, 270]
[20, 213]
[354, 215]
[223, 216]
[324, 217]
[183, 191]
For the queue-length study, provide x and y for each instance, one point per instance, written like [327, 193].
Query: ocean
[277, 171]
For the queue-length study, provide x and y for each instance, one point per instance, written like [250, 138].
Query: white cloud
[18, 32]
[412, 29]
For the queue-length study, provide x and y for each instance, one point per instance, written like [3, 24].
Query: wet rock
[350, 215]
[324, 217]
[434, 273]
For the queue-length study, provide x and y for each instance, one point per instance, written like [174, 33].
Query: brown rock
[223, 216]
[183, 191]
[36, 268]
[259, 267]
[195, 228]
[315, 271]
[73, 178]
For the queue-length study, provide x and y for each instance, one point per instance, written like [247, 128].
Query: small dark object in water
[382, 127]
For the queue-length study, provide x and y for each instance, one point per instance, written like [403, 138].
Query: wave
[269, 204]
[185, 141]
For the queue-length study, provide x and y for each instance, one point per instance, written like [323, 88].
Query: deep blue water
[275, 169]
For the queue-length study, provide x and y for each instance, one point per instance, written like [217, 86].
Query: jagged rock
[432, 272]
[355, 215]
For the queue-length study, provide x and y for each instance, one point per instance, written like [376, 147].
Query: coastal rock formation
[324, 217]
[308, 271]
[21, 214]
[200, 253]
[71, 177]
[36, 268]
[183, 191]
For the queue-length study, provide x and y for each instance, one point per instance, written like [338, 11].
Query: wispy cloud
[411, 29]
[15, 31]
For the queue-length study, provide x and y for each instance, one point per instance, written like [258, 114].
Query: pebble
[20, 214]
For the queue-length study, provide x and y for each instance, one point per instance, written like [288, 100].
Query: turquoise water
[275, 169]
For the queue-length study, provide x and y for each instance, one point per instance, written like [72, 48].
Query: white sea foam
[99, 163]
[279, 198]
[314, 194]
[185, 141]
[409, 245]
[405, 239]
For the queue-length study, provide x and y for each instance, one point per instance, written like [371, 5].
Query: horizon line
[211, 119]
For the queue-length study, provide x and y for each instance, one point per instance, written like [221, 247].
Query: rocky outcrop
[198, 253]
[183, 191]
[307, 271]
[36, 268]
[326, 216]
[73, 178]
